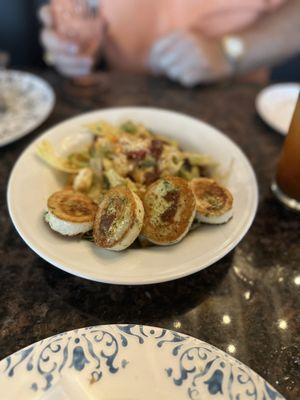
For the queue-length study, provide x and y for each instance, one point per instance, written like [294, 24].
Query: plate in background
[32, 182]
[26, 101]
[276, 103]
[128, 362]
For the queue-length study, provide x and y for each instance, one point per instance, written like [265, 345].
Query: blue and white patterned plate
[26, 101]
[130, 362]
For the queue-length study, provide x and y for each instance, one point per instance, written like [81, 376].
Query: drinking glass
[286, 185]
[79, 21]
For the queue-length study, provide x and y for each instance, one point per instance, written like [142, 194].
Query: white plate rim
[139, 281]
[259, 100]
[47, 86]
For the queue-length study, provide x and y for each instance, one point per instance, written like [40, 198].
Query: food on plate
[119, 172]
[83, 180]
[129, 154]
[119, 219]
[46, 152]
[169, 210]
[213, 201]
[70, 213]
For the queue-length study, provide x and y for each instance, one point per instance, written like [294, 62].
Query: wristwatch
[233, 48]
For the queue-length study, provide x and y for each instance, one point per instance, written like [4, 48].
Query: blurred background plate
[25, 102]
[32, 182]
[128, 362]
[276, 103]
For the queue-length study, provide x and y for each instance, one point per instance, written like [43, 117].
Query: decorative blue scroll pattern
[202, 370]
[95, 349]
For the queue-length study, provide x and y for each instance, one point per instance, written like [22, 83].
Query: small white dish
[128, 362]
[276, 103]
[27, 100]
[32, 182]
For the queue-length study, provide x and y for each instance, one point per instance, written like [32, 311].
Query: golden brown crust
[212, 199]
[169, 210]
[72, 206]
[117, 205]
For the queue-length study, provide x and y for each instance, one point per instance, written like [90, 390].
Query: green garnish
[128, 127]
[148, 162]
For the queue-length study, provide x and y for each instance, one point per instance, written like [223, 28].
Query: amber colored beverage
[288, 172]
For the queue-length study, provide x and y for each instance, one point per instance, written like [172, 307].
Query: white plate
[276, 104]
[32, 182]
[128, 362]
[28, 99]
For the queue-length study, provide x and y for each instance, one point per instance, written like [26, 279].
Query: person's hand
[189, 59]
[63, 55]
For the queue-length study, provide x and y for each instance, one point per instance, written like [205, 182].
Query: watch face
[233, 47]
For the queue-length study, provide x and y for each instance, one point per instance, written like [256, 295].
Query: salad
[129, 182]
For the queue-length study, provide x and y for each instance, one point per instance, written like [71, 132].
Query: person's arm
[190, 57]
[273, 38]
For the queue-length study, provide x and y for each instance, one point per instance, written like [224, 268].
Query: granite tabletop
[247, 304]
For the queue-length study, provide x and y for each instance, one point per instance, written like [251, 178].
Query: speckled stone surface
[246, 304]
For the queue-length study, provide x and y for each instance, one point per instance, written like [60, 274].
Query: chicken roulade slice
[169, 210]
[70, 213]
[119, 219]
[213, 201]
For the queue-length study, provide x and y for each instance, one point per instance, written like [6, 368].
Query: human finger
[165, 43]
[45, 16]
[53, 43]
[189, 59]
[163, 46]
[72, 72]
[72, 61]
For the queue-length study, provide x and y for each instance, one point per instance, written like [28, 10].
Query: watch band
[48, 58]
[233, 48]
